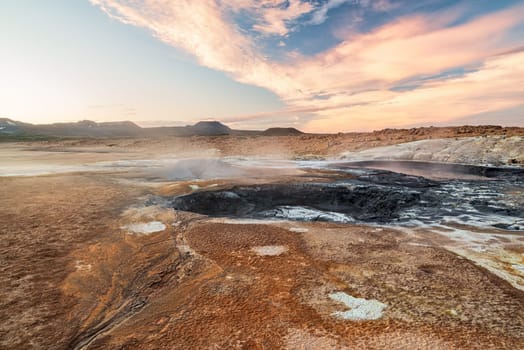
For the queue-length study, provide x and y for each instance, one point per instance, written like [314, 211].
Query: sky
[318, 65]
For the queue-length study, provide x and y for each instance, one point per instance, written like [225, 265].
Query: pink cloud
[497, 85]
[358, 74]
[406, 48]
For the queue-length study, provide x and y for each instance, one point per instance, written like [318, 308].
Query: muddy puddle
[358, 194]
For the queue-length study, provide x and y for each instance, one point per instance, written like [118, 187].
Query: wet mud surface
[363, 203]
[375, 196]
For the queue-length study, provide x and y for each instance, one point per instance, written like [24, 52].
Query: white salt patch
[233, 221]
[496, 262]
[307, 214]
[418, 244]
[194, 187]
[518, 267]
[361, 309]
[298, 229]
[477, 241]
[483, 248]
[269, 250]
[146, 227]
[82, 266]
[36, 169]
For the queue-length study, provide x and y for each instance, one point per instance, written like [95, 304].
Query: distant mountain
[282, 132]
[204, 128]
[87, 128]
[84, 128]
[209, 128]
[11, 127]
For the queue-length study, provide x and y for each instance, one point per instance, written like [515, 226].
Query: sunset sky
[318, 65]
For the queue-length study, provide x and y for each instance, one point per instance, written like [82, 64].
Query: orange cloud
[497, 85]
[407, 48]
[355, 77]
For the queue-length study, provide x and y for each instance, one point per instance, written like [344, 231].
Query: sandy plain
[74, 275]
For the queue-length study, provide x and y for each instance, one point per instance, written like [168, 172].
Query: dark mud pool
[360, 192]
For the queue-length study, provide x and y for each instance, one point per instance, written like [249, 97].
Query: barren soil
[73, 275]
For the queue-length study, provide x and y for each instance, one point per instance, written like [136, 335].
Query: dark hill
[211, 128]
[11, 129]
[83, 128]
[282, 132]
[87, 128]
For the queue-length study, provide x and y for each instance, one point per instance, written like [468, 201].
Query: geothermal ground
[306, 242]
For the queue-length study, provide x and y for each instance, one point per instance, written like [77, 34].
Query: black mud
[366, 202]
[371, 195]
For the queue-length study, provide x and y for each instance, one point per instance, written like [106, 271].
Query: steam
[215, 168]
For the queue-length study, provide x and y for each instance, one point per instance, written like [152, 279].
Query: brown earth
[72, 275]
[74, 279]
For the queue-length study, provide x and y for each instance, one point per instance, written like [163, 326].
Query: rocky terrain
[14, 130]
[172, 242]
[495, 150]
